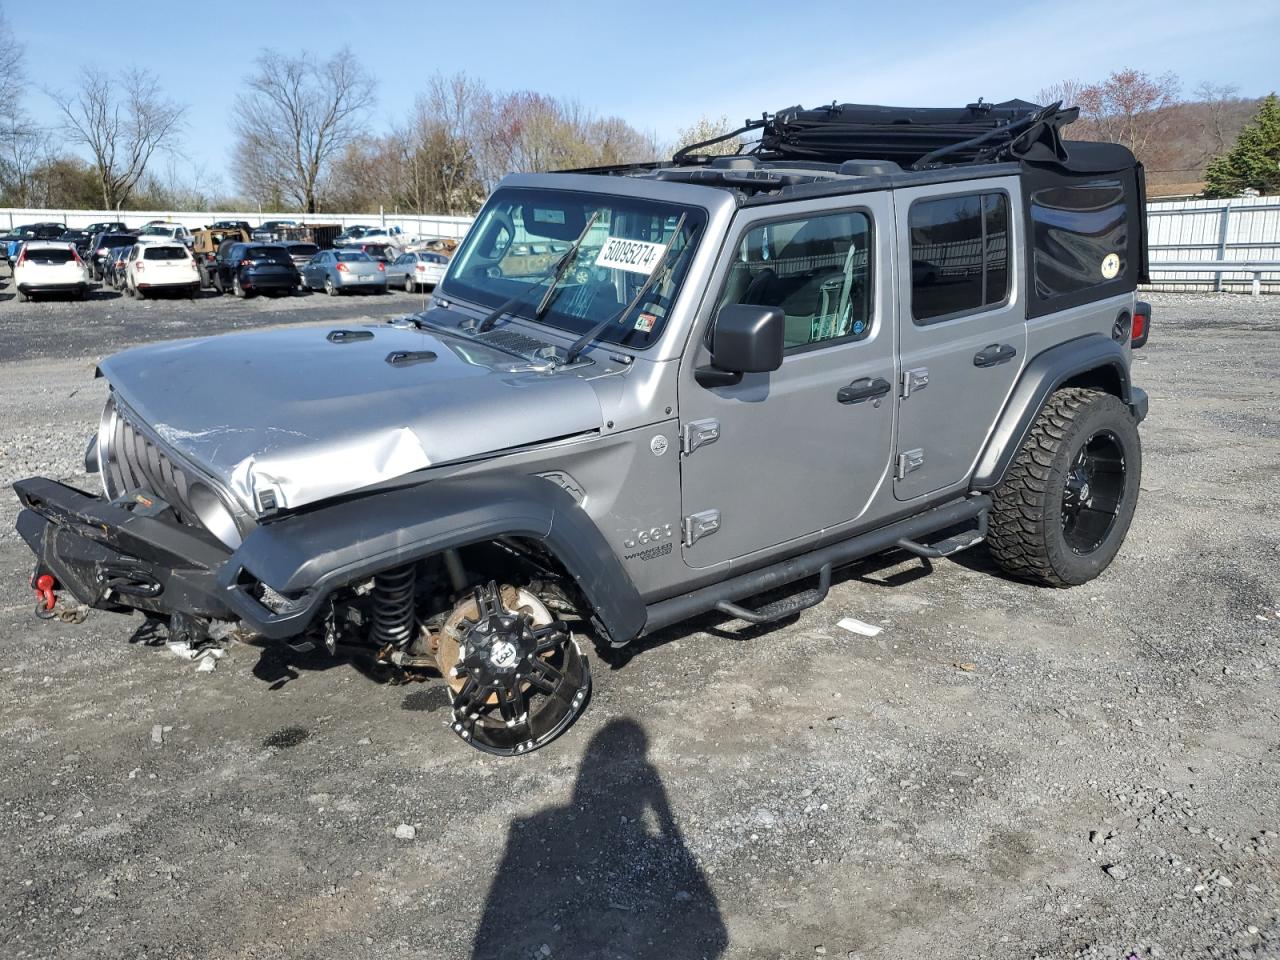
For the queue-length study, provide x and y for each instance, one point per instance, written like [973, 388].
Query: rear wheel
[1062, 511]
[329, 288]
[238, 288]
[409, 285]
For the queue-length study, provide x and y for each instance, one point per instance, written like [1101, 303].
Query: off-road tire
[1026, 536]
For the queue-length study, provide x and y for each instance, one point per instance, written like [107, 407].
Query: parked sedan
[105, 247]
[157, 267]
[417, 270]
[113, 266]
[336, 271]
[249, 268]
[50, 267]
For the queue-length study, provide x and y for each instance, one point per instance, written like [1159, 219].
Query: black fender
[307, 555]
[1093, 360]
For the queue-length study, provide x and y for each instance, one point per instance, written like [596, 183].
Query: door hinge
[699, 525]
[698, 433]
[908, 461]
[913, 381]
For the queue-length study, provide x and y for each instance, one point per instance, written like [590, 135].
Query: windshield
[158, 231]
[521, 235]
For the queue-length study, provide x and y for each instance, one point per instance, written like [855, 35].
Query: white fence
[1184, 231]
[411, 224]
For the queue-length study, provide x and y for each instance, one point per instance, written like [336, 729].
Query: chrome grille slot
[135, 462]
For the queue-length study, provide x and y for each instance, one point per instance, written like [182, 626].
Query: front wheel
[1062, 511]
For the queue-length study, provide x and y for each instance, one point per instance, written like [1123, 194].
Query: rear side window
[164, 253]
[1079, 236]
[959, 255]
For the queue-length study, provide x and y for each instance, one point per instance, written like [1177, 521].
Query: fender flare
[1047, 371]
[306, 556]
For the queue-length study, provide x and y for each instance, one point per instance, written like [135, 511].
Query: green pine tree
[1254, 161]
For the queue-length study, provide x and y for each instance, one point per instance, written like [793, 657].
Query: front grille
[134, 463]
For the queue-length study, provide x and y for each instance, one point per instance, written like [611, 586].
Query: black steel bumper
[116, 557]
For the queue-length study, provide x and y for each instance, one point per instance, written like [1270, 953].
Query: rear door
[962, 333]
[783, 456]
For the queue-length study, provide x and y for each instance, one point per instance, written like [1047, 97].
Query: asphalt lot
[1005, 771]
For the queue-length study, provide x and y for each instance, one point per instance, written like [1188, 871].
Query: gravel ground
[1005, 771]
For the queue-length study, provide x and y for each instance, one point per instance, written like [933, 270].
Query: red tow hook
[46, 599]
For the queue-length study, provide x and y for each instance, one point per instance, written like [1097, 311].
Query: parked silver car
[417, 270]
[335, 271]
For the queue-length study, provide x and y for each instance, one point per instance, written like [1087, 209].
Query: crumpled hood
[291, 412]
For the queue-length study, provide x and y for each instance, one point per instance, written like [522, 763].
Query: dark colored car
[249, 268]
[232, 225]
[79, 238]
[31, 231]
[113, 266]
[271, 229]
[106, 226]
[104, 244]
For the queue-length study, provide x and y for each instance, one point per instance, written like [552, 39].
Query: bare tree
[11, 63]
[1068, 92]
[1218, 100]
[297, 117]
[24, 149]
[707, 128]
[1131, 107]
[122, 122]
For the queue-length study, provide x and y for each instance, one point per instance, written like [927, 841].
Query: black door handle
[995, 353]
[863, 389]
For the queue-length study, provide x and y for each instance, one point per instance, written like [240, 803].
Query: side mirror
[746, 338]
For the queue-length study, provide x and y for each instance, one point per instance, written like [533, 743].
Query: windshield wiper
[555, 275]
[580, 344]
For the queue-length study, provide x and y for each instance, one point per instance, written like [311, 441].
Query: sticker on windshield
[637, 256]
[645, 322]
[548, 216]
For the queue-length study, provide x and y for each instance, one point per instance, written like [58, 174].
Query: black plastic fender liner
[1044, 374]
[307, 555]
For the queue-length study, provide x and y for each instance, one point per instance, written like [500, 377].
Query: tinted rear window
[164, 253]
[117, 240]
[1080, 236]
[352, 256]
[50, 256]
[272, 254]
[304, 250]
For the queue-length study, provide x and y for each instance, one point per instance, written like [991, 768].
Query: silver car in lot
[414, 271]
[335, 271]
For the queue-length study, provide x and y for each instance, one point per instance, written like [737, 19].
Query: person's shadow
[606, 876]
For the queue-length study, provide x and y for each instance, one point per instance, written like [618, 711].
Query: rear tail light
[381, 265]
[22, 258]
[422, 267]
[102, 251]
[246, 263]
[342, 267]
[1141, 324]
[138, 266]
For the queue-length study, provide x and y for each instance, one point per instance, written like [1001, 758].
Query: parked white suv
[159, 265]
[166, 231]
[46, 266]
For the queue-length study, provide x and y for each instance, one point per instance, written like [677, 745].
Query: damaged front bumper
[132, 554]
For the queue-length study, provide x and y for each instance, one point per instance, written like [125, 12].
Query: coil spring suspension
[393, 606]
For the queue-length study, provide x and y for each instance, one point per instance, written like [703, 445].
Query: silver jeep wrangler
[642, 394]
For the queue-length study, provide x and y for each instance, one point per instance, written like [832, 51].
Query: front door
[961, 331]
[785, 455]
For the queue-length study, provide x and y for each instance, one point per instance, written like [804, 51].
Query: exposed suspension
[394, 608]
